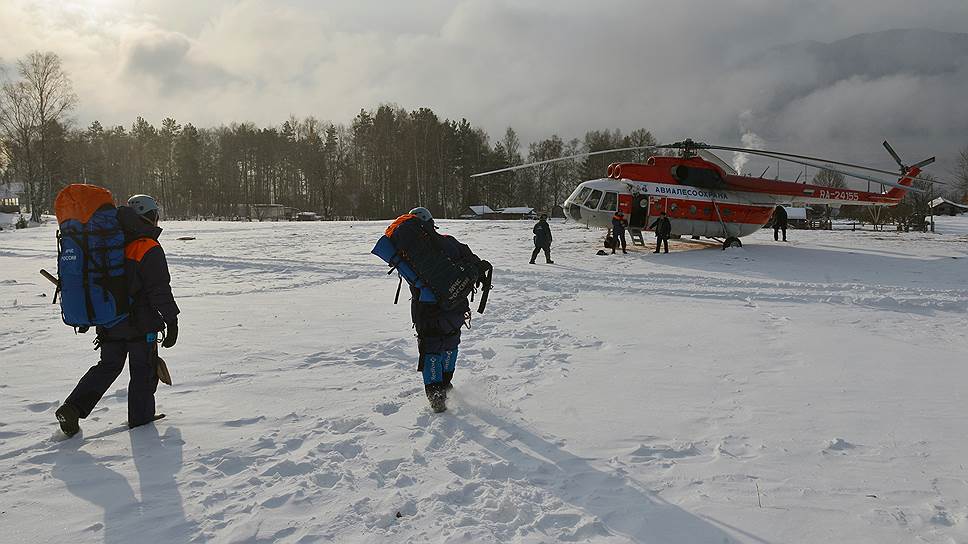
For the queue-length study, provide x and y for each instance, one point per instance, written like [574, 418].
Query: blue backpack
[90, 258]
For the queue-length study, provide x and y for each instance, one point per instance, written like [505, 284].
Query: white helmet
[143, 204]
[423, 214]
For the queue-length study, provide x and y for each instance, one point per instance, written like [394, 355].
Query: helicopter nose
[574, 211]
[572, 205]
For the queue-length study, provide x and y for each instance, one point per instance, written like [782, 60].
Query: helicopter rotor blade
[894, 154]
[569, 157]
[845, 173]
[791, 156]
[925, 162]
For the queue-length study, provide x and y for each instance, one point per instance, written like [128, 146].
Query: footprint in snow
[838, 445]
[387, 408]
[38, 407]
[243, 422]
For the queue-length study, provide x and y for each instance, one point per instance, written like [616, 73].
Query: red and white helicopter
[704, 197]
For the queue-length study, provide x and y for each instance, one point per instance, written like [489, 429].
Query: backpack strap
[85, 277]
[396, 298]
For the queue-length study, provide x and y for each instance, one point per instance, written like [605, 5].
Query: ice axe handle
[49, 276]
[53, 280]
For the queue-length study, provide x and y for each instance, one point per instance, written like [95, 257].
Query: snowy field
[813, 391]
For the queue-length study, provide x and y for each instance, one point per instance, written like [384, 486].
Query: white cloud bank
[706, 70]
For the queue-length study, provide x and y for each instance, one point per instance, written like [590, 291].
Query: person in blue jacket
[439, 327]
[618, 231]
[153, 309]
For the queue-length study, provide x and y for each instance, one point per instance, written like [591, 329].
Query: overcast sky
[678, 68]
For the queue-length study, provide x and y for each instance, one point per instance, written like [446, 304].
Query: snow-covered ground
[813, 391]
[8, 220]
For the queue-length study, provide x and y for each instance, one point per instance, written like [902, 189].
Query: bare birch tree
[29, 110]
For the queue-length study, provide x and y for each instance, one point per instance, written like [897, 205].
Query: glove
[171, 335]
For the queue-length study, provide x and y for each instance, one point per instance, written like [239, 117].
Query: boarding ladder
[636, 234]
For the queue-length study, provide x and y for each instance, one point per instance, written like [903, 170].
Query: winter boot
[67, 416]
[155, 417]
[437, 395]
[448, 378]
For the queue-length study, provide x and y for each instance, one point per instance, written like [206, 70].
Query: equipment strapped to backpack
[90, 258]
[413, 248]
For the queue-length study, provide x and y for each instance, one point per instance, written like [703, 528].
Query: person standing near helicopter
[542, 239]
[779, 223]
[618, 231]
[663, 229]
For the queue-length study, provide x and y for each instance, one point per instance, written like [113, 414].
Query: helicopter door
[640, 211]
[625, 204]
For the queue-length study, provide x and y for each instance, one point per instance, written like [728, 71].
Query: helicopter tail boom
[907, 180]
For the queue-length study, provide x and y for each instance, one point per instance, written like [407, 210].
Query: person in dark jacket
[439, 327]
[153, 309]
[618, 231]
[779, 223]
[663, 229]
[542, 239]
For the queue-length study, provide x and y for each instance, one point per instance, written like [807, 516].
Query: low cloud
[713, 71]
[166, 59]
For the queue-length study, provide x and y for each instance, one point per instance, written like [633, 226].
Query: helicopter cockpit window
[585, 191]
[592, 200]
[610, 202]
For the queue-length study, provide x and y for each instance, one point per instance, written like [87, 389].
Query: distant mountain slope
[878, 54]
[905, 85]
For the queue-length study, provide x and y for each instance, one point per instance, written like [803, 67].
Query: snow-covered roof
[938, 201]
[481, 210]
[518, 210]
[795, 213]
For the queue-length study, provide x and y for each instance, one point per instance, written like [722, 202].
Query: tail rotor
[905, 168]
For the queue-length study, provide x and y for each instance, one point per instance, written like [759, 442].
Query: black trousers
[659, 241]
[776, 232]
[616, 239]
[141, 389]
[547, 252]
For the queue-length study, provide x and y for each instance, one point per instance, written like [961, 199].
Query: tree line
[386, 160]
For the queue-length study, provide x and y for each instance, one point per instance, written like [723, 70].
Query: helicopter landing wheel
[732, 241]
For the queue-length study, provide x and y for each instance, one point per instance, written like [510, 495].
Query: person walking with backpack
[663, 229]
[618, 231]
[542, 239]
[439, 325]
[152, 309]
